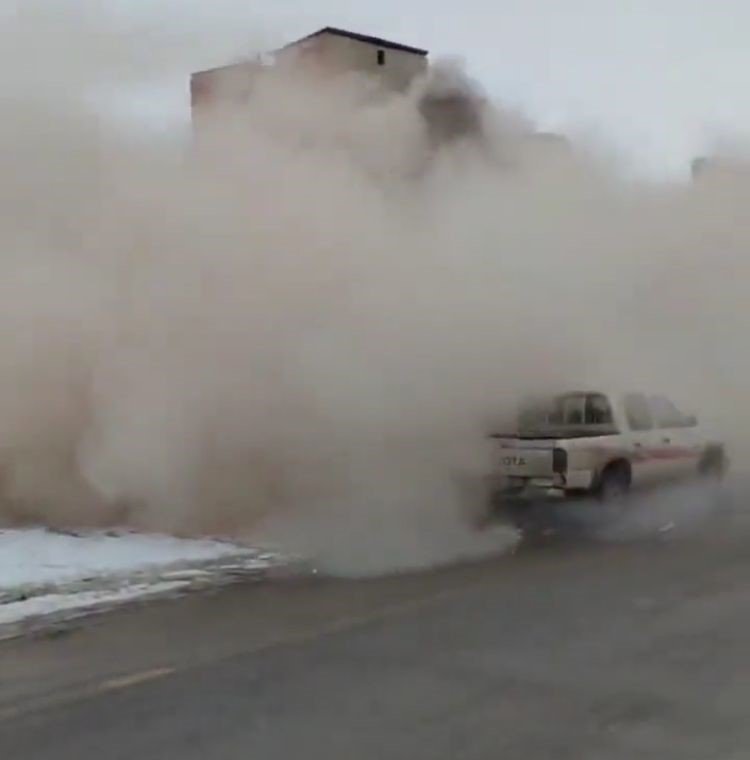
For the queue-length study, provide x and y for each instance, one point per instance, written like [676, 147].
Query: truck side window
[638, 412]
[666, 414]
[598, 410]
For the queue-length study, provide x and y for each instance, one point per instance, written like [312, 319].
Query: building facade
[328, 52]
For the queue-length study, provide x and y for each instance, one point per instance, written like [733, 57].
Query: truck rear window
[567, 410]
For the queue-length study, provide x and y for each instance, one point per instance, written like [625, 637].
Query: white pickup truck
[598, 444]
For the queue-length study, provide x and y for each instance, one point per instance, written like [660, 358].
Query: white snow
[38, 557]
[45, 574]
[82, 601]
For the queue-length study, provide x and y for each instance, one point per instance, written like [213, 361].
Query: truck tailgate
[525, 459]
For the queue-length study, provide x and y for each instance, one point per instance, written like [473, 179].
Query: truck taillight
[559, 461]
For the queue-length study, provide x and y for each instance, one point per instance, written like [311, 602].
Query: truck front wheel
[712, 470]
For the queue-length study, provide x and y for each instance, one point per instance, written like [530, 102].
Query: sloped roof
[377, 41]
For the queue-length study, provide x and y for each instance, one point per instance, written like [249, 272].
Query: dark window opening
[381, 57]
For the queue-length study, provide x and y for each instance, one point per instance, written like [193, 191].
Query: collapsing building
[451, 110]
[326, 54]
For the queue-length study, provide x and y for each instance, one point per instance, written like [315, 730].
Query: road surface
[579, 652]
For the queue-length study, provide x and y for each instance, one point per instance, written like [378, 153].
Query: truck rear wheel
[613, 491]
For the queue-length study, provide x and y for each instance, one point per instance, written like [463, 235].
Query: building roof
[377, 41]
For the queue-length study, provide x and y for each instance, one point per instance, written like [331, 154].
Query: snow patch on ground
[37, 556]
[81, 601]
[46, 575]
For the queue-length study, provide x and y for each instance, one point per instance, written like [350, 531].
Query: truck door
[677, 443]
[641, 441]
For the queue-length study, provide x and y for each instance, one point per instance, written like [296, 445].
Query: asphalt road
[580, 652]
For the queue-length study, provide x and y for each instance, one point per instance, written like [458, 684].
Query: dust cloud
[299, 328]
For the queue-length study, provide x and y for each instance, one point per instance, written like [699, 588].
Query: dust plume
[300, 328]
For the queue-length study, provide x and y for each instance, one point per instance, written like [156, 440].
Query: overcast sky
[660, 79]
